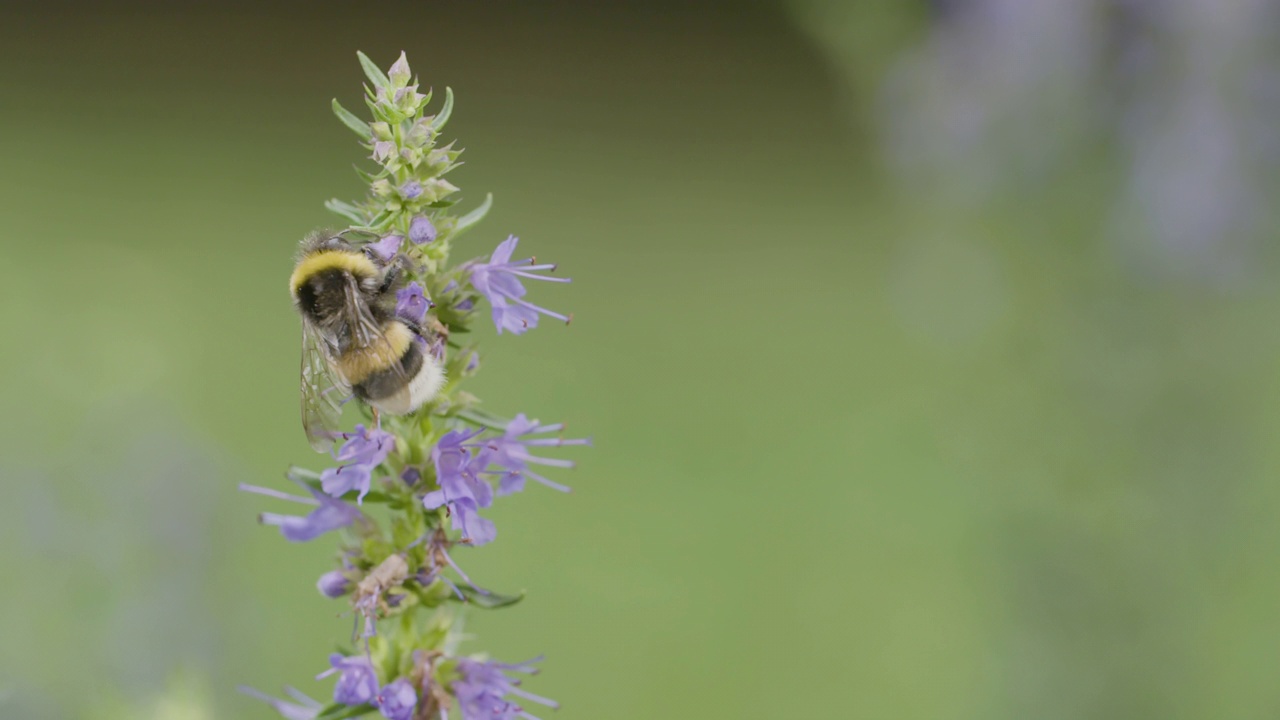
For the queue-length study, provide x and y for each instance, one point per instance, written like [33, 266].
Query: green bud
[419, 134]
[399, 72]
[381, 131]
[411, 156]
[407, 100]
[436, 188]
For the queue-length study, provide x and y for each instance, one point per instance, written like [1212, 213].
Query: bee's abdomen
[388, 382]
[404, 388]
[360, 365]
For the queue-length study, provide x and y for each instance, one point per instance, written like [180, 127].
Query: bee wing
[365, 329]
[369, 333]
[323, 390]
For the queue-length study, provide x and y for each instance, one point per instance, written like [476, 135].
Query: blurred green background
[928, 347]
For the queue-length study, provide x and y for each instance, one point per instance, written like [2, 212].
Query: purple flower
[357, 685]
[412, 303]
[410, 190]
[511, 453]
[304, 709]
[499, 281]
[363, 451]
[330, 514]
[333, 584]
[475, 529]
[397, 700]
[421, 230]
[461, 488]
[386, 248]
[483, 685]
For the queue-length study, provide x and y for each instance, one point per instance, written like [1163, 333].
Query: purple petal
[502, 254]
[397, 700]
[387, 247]
[412, 303]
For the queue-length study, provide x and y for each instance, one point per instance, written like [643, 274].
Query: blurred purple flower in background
[997, 97]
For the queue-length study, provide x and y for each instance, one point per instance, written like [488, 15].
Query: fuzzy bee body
[378, 376]
[352, 339]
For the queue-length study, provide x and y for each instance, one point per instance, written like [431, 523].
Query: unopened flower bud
[333, 584]
[399, 72]
[421, 230]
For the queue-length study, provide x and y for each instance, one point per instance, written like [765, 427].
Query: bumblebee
[352, 341]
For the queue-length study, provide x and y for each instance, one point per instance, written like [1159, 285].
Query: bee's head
[322, 240]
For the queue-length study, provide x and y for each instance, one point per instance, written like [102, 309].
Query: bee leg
[377, 418]
[391, 277]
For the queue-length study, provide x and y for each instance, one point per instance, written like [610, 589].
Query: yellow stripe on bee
[355, 263]
[357, 364]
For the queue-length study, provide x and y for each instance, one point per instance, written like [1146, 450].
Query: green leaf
[349, 119]
[489, 600]
[379, 224]
[369, 177]
[484, 419]
[380, 112]
[371, 69]
[346, 210]
[474, 216]
[446, 110]
[341, 712]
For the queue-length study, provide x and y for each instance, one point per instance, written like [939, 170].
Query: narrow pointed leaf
[342, 712]
[488, 600]
[446, 110]
[357, 125]
[372, 71]
[474, 216]
[484, 419]
[369, 177]
[346, 210]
